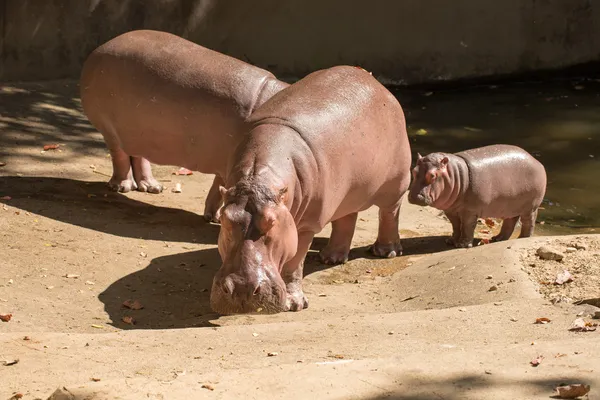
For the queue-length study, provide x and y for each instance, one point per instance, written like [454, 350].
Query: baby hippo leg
[455, 221]
[528, 223]
[342, 230]
[467, 230]
[508, 227]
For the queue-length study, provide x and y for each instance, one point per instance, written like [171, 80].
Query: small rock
[493, 288]
[72, 276]
[578, 246]
[488, 372]
[548, 253]
[272, 354]
[462, 309]
[596, 315]
[62, 394]
[489, 277]
[7, 363]
[390, 332]
[208, 386]
[513, 319]
[570, 250]
[177, 188]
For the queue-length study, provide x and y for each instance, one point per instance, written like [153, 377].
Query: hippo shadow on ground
[91, 205]
[411, 246]
[174, 291]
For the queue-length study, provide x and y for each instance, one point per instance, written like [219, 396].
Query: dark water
[557, 122]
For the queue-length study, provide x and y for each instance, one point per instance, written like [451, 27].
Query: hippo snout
[237, 294]
[417, 198]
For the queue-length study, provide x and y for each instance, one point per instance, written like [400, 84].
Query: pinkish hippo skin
[156, 97]
[327, 147]
[499, 181]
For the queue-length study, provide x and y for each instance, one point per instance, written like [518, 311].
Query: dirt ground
[436, 323]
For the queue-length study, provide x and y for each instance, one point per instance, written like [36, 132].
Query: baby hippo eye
[430, 177]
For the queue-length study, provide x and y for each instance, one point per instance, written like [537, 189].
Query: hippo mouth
[419, 199]
[270, 300]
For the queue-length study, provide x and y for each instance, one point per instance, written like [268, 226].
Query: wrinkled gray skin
[499, 181]
[325, 148]
[156, 97]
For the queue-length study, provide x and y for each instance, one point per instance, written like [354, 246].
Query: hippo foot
[150, 186]
[451, 241]
[387, 250]
[296, 301]
[498, 238]
[122, 186]
[463, 244]
[333, 256]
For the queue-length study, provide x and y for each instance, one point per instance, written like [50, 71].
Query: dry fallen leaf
[563, 277]
[572, 391]
[7, 363]
[537, 361]
[5, 317]
[490, 222]
[272, 354]
[51, 147]
[74, 276]
[542, 320]
[183, 171]
[95, 379]
[16, 396]
[580, 325]
[208, 386]
[128, 320]
[133, 304]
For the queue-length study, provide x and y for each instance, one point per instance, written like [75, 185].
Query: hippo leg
[142, 173]
[292, 274]
[455, 221]
[338, 247]
[388, 244]
[122, 178]
[508, 227]
[468, 222]
[528, 224]
[213, 201]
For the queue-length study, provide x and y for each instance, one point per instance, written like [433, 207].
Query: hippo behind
[321, 150]
[160, 98]
[499, 181]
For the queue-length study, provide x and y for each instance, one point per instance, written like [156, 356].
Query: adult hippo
[156, 97]
[325, 148]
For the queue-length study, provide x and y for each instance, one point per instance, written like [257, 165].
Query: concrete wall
[402, 41]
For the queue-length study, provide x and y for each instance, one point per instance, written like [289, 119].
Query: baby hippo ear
[444, 163]
[419, 158]
[266, 220]
[281, 195]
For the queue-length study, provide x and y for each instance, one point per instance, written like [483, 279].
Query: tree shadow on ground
[35, 114]
[473, 387]
[90, 205]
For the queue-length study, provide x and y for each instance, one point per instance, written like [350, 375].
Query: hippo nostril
[228, 286]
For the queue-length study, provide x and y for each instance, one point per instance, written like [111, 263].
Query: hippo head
[429, 180]
[257, 237]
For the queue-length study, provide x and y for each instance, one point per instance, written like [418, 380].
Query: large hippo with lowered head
[157, 97]
[319, 151]
[500, 181]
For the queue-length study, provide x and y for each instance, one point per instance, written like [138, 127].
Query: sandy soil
[427, 325]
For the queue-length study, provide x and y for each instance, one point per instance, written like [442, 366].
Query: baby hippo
[498, 181]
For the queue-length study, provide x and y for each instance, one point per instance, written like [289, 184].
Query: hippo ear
[223, 191]
[281, 195]
[444, 162]
[419, 158]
